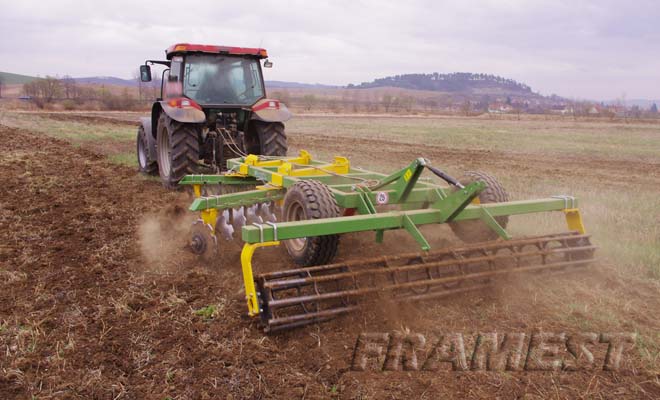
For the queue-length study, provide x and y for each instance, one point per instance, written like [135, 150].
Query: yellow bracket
[235, 174]
[248, 277]
[574, 220]
[210, 216]
[197, 190]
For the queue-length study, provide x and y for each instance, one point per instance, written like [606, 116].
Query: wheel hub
[198, 244]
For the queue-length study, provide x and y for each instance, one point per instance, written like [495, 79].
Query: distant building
[499, 108]
[561, 109]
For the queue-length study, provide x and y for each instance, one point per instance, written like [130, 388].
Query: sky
[597, 50]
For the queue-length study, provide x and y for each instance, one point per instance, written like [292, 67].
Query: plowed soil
[98, 299]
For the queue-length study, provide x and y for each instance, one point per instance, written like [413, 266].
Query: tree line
[43, 91]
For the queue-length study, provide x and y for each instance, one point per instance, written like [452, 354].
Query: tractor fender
[183, 114]
[151, 137]
[269, 110]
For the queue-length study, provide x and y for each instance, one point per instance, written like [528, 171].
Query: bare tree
[517, 110]
[466, 108]
[408, 103]
[138, 79]
[69, 87]
[43, 90]
[50, 88]
[309, 100]
[387, 101]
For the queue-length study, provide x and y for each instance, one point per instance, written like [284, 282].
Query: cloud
[587, 49]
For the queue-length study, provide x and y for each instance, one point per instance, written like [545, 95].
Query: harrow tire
[476, 230]
[145, 164]
[309, 200]
[272, 138]
[177, 149]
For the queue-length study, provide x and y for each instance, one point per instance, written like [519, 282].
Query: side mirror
[145, 73]
[268, 64]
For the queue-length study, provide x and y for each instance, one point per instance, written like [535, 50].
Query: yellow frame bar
[248, 276]
[253, 160]
[287, 167]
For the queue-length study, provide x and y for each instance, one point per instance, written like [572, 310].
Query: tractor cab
[212, 75]
[212, 107]
[213, 79]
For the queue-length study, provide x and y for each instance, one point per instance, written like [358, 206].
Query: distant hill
[458, 82]
[7, 78]
[297, 85]
[107, 80]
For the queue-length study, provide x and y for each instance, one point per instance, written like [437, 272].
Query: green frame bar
[394, 220]
[233, 200]
[515, 208]
[218, 179]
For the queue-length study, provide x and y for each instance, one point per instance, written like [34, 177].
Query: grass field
[530, 135]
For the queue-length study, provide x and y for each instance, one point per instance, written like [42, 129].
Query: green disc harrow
[307, 205]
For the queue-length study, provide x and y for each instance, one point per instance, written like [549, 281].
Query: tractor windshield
[212, 79]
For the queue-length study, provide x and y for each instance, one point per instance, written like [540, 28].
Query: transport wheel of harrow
[272, 138]
[145, 163]
[177, 149]
[308, 200]
[202, 240]
[476, 230]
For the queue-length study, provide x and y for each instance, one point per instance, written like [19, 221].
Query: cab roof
[183, 48]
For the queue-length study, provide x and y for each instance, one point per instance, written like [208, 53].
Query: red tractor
[212, 107]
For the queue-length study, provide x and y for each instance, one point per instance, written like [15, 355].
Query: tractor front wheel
[177, 149]
[309, 200]
[145, 163]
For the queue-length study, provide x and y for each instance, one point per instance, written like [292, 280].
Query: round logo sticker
[382, 198]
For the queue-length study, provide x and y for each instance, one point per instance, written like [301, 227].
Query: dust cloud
[163, 238]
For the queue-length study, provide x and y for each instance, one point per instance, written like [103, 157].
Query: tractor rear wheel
[177, 149]
[476, 230]
[145, 163]
[272, 138]
[307, 200]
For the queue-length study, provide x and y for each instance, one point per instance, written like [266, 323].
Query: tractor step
[303, 296]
